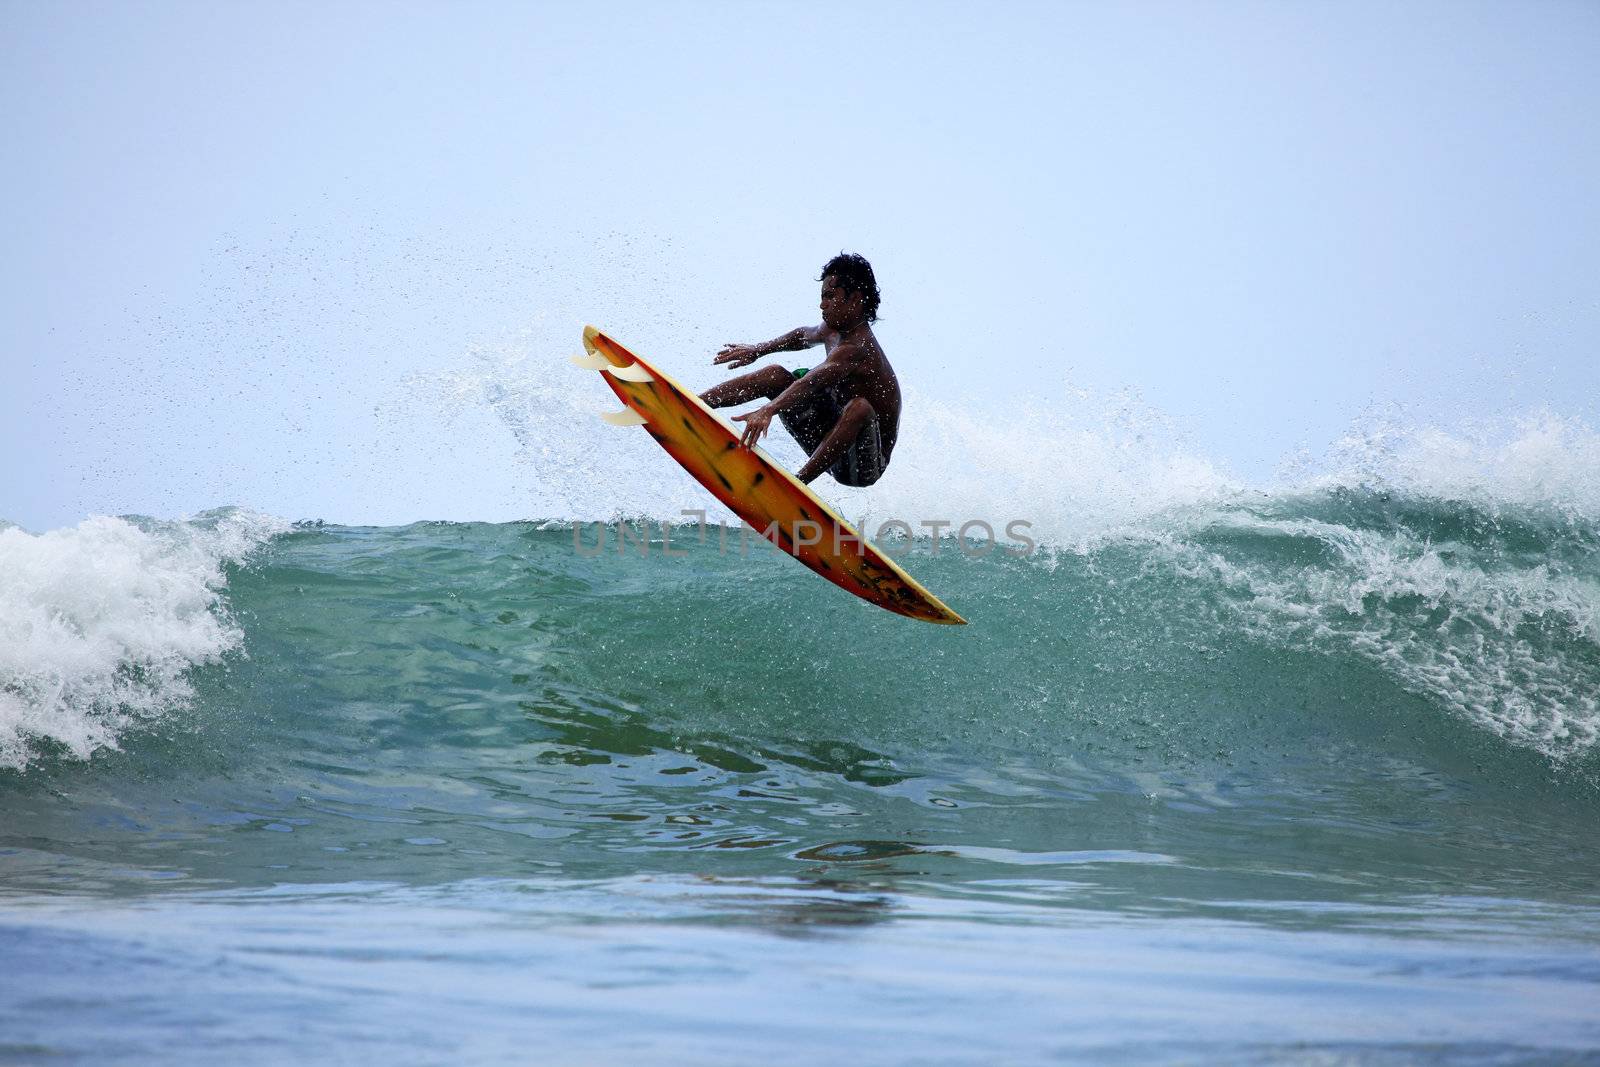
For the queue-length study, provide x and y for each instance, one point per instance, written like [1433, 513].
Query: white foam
[100, 623]
[1077, 467]
[1539, 462]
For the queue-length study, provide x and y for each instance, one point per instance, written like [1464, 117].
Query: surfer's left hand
[737, 355]
[755, 424]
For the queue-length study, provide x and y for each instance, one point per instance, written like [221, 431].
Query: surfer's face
[839, 311]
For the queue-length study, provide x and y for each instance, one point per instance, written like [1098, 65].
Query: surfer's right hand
[737, 355]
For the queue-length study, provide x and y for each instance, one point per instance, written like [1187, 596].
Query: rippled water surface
[1305, 779]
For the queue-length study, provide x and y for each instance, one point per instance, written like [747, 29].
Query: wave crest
[100, 624]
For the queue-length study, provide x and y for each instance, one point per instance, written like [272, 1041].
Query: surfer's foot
[767, 382]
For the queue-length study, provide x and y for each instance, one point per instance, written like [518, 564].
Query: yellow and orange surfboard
[763, 494]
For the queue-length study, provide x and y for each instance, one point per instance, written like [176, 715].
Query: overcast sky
[237, 235]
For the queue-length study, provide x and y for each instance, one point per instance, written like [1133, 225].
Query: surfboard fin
[625, 417]
[631, 373]
[590, 361]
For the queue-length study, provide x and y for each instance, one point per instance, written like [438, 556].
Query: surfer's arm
[833, 370]
[801, 337]
[840, 362]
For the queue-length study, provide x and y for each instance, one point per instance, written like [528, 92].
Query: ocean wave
[1461, 564]
[100, 624]
[1502, 633]
[1462, 561]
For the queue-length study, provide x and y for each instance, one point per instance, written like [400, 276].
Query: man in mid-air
[845, 412]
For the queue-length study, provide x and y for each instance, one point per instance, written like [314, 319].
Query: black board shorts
[863, 463]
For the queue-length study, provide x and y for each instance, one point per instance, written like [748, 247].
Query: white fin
[631, 373]
[625, 417]
[591, 361]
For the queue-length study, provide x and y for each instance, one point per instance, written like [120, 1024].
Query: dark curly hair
[855, 276]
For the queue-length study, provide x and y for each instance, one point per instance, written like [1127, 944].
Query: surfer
[846, 412]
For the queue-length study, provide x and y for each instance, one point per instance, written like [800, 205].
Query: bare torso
[870, 378]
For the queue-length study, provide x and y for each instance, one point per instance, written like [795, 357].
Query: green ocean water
[1306, 777]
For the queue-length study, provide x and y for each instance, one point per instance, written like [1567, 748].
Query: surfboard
[774, 502]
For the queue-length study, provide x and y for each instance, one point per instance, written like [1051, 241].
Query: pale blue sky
[234, 232]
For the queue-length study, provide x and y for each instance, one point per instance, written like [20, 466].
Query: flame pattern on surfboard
[756, 489]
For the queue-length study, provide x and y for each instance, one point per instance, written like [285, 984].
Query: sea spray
[1075, 464]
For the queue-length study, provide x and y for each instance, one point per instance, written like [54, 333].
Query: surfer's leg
[857, 419]
[768, 382]
[809, 423]
[863, 462]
